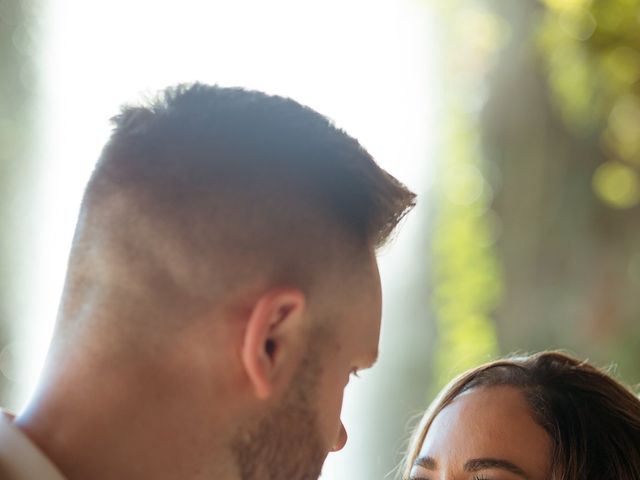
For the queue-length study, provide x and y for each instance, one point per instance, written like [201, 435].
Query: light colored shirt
[20, 459]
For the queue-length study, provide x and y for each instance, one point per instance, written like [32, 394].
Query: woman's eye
[475, 477]
[354, 373]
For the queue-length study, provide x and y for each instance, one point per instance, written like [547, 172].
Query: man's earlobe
[273, 338]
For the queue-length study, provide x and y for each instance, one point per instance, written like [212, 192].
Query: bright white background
[367, 64]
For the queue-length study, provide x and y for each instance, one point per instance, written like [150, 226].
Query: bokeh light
[617, 184]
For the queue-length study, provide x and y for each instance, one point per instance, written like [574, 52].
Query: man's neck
[117, 428]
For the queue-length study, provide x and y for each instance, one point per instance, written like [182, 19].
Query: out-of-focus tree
[560, 128]
[537, 243]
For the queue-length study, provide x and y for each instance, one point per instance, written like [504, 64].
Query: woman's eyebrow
[478, 464]
[426, 462]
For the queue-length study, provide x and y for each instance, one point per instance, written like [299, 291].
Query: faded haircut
[204, 187]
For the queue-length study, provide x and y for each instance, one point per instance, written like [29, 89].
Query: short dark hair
[593, 420]
[263, 180]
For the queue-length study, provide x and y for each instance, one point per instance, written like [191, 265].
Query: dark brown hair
[592, 420]
[198, 135]
[204, 187]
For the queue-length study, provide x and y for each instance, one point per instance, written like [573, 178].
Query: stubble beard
[286, 445]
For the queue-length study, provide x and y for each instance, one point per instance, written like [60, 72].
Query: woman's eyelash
[475, 477]
[354, 373]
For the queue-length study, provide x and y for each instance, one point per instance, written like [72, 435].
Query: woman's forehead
[488, 422]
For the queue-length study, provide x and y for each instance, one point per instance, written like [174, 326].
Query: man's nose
[342, 439]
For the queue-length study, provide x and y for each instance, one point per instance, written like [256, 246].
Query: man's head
[231, 235]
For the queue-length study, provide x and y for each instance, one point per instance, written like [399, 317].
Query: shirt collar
[20, 458]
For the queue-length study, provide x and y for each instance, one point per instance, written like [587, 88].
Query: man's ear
[273, 339]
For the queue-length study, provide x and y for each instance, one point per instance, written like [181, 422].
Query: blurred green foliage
[466, 270]
[537, 243]
[561, 95]
[592, 51]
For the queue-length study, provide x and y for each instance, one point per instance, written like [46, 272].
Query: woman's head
[544, 416]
